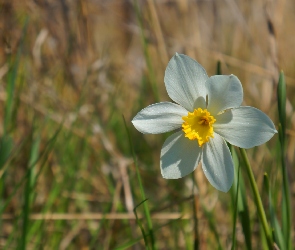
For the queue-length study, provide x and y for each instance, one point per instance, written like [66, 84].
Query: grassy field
[73, 74]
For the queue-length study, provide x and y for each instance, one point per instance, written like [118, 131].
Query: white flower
[209, 113]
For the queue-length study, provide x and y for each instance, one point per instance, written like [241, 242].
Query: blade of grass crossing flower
[146, 209]
[286, 203]
[241, 206]
[146, 52]
[257, 198]
[238, 195]
[236, 190]
[277, 231]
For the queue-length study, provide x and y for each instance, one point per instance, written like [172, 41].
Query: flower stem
[258, 201]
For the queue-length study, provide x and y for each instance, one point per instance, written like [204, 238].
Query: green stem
[236, 209]
[286, 189]
[196, 223]
[258, 201]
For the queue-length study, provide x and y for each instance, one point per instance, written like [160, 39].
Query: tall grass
[69, 178]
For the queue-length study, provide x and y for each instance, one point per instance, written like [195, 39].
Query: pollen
[198, 125]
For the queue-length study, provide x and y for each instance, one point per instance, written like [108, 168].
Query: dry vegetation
[81, 65]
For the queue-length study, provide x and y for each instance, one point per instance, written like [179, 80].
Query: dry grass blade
[100, 216]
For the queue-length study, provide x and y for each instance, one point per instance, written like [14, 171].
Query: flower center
[198, 125]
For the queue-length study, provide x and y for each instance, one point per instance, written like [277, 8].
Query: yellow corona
[198, 125]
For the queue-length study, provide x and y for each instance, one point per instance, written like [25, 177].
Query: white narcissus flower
[209, 113]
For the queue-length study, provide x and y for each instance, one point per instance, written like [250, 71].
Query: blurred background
[72, 71]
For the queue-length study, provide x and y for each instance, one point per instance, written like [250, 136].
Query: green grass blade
[146, 209]
[44, 155]
[140, 225]
[10, 242]
[281, 93]
[210, 217]
[146, 53]
[242, 205]
[7, 153]
[218, 68]
[6, 146]
[34, 156]
[129, 244]
[6, 140]
[286, 201]
[26, 210]
[11, 79]
[277, 231]
[31, 179]
[257, 199]
[132, 242]
[235, 194]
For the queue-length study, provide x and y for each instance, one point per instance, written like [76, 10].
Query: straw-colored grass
[70, 71]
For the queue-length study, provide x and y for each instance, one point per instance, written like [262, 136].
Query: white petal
[217, 164]
[179, 156]
[159, 118]
[185, 82]
[224, 92]
[245, 127]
